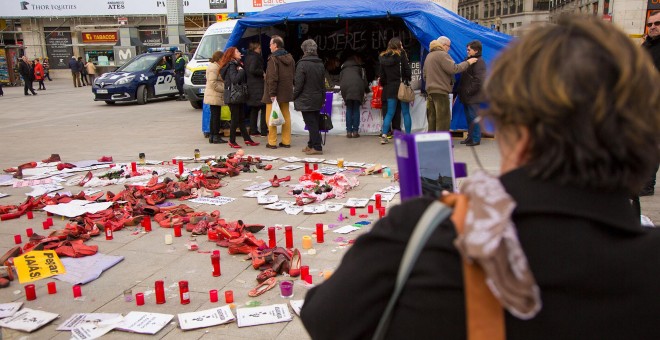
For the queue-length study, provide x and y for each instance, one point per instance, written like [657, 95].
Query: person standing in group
[91, 71]
[83, 72]
[39, 74]
[75, 71]
[394, 69]
[233, 73]
[213, 96]
[470, 92]
[179, 70]
[254, 66]
[309, 93]
[27, 72]
[353, 84]
[278, 84]
[439, 70]
[652, 45]
[46, 65]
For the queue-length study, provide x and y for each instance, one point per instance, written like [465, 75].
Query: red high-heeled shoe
[234, 145]
[294, 271]
[252, 143]
[263, 287]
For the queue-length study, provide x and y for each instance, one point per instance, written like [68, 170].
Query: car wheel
[142, 95]
[196, 104]
[109, 102]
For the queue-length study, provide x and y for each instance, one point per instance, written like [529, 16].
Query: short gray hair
[309, 47]
[444, 40]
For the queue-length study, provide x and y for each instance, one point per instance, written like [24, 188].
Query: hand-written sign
[36, 265]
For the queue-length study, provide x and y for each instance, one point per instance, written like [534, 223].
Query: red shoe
[295, 263]
[275, 182]
[265, 275]
[53, 158]
[86, 179]
[240, 249]
[107, 159]
[234, 145]
[63, 166]
[263, 287]
[251, 143]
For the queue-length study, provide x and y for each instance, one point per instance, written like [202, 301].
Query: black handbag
[236, 94]
[325, 123]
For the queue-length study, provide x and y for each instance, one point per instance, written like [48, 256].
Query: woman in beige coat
[213, 95]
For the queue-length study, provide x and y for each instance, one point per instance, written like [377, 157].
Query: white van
[214, 39]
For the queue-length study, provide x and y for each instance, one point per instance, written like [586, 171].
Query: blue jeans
[474, 130]
[405, 112]
[352, 115]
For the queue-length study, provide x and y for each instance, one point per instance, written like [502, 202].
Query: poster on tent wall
[59, 47]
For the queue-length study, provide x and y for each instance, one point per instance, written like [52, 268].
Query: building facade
[506, 16]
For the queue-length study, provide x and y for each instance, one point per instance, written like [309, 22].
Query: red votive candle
[133, 167]
[146, 223]
[50, 220]
[381, 212]
[319, 233]
[77, 291]
[139, 299]
[308, 279]
[180, 168]
[288, 233]
[184, 294]
[213, 295]
[30, 293]
[52, 287]
[108, 233]
[316, 166]
[304, 271]
[307, 168]
[229, 296]
[30, 215]
[177, 230]
[370, 209]
[45, 224]
[352, 211]
[29, 232]
[378, 201]
[173, 160]
[215, 261]
[17, 239]
[272, 238]
[160, 292]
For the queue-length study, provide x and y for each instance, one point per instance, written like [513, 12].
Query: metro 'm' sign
[98, 37]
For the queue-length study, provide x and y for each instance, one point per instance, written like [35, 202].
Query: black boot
[216, 139]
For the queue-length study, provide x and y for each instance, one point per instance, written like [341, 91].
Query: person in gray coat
[309, 93]
[353, 85]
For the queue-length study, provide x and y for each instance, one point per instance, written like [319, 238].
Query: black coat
[596, 267]
[393, 68]
[470, 87]
[653, 46]
[254, 67]
[26, 70]
[232, 75]
[309, 84]
[352, 81]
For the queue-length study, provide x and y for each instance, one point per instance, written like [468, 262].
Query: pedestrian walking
[309, 93]
[254, 67]
[652, 45]
[278, 84]
[75, 71]
[83, 72]
[46, 65]
[470, 92]
[39, 74]
[213, 96]
[439, 70]
[91, 71]
[26, 71]
[233, 74]
[353, 84]
[394, 69]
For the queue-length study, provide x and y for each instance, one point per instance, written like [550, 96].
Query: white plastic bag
[276, 118]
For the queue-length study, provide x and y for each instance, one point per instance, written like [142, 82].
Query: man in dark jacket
[254, 67]
[309, 93]
[353, 85]
[652, 44]
[470, 91]
[179, 70]
[27, 72]
[75, 71]
[278, 85]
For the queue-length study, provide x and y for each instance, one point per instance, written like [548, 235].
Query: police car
[149, 75]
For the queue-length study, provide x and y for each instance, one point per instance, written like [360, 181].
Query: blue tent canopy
[426, 21]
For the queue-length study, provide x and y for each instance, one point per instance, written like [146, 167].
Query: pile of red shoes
[276, 261]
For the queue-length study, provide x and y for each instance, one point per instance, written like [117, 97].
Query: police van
[146, 76]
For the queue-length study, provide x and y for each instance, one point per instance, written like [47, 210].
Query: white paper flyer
[9, 309]
[145, 323]
[205, 318]
[262, 315]
[28, 320]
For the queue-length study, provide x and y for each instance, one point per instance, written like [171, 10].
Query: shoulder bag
[235, 93]
[406, 93]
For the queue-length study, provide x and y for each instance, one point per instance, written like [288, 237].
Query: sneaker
[306, 149]
[383, 139]
[314, 152]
